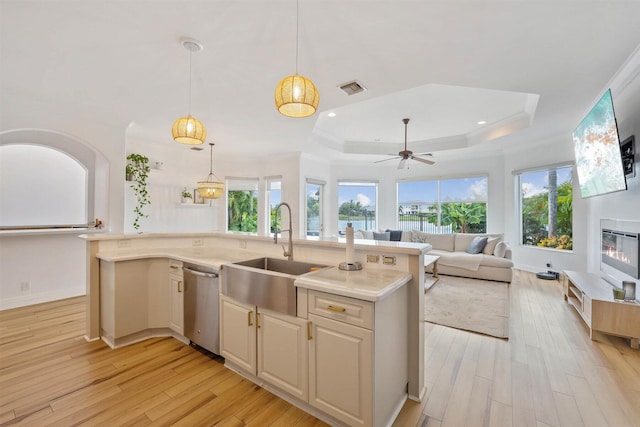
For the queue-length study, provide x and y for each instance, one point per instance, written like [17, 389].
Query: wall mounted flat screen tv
[597, 149]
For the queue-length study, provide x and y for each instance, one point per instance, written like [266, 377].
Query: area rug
[470, 304]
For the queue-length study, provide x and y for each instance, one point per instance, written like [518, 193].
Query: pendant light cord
[297, 23]
[190, 55]
[211, 160]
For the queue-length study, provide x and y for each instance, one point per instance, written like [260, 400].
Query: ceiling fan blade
[385, 160]
[402, 163]
[424, 154]
[427, 161]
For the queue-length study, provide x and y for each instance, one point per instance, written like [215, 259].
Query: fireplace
[620, 251]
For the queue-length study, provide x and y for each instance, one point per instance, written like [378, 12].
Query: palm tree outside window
[546, 207]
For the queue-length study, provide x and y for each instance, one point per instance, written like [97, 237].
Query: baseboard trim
[142, 336]
[41, 297]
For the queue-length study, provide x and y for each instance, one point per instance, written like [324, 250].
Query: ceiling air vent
[352, 88]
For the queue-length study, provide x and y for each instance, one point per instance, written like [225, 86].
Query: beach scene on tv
[597, 150]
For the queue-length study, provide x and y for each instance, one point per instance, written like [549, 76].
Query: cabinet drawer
[175, 267]
[348, 310]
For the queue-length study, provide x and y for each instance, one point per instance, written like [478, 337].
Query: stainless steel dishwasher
[201, 295]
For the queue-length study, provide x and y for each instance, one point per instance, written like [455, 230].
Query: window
[546, 207]
[314, 195]
[242, 204]
[273, 192]
[443, 206]
[41, 187]
[357, 204]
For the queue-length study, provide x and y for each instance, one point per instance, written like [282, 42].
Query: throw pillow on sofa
[500, 250]
[419, 237]
[366, 234]
[491, 245]
[477, 245]
[394, 235]
[382, 236]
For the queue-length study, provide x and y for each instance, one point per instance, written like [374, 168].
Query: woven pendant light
[189, 130]
[297, 96]
[212, 188]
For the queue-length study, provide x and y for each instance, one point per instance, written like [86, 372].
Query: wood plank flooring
[50, 376]
[549, 373]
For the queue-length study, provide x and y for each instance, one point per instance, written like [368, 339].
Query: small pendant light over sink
[212, 188]
[189, 130]
[296, 96]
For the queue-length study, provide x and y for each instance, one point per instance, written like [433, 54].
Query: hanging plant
[137, 171]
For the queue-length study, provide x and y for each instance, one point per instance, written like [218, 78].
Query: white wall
[556, 150]
[54, 267]
[41, 186]
[183, 167]
[587, 213]
[625, 205]
[53, 264]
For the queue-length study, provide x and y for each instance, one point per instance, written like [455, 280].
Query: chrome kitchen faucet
[288, 253]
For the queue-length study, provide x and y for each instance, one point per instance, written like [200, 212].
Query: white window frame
[517, 174]
[321, 184]
[252, 183]
[438, 181]
[266, 212]
[361, 182]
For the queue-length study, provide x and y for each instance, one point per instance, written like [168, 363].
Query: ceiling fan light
[296, 96]
[189, 130]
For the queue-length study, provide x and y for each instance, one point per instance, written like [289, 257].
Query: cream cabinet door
[176, 318]
[283, 352]
[340, 370]
[238, 333]
[158, 294]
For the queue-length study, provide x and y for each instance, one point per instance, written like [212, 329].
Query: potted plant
[187, 197]
[137, 171]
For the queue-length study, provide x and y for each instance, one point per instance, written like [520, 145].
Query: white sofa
[494, 263]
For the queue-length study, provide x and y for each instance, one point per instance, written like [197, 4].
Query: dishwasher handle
[199, 273]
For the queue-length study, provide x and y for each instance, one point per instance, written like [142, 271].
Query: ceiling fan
[405, 154]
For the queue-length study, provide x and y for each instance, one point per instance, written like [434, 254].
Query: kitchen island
[400, 281]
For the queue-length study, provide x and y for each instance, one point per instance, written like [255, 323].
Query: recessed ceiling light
[482, 122]
[377, 140]
[331, 114]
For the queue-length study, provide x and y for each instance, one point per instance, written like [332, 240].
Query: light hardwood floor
[549, 373]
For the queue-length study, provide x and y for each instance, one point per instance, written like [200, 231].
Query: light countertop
[366, 284]
[208, 257]
[325, 242]
[370, 285]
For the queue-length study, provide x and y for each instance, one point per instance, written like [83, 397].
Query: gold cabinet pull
[175, 267]
[336, 309]
[180, 286]
[257, 320]
[250, 323]
[309, 330]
